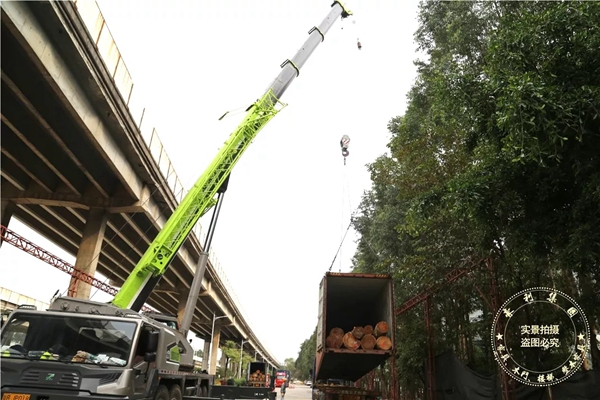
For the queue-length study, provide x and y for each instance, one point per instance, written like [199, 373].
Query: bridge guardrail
[94, 21]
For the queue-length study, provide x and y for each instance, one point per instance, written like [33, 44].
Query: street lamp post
[212, 332]
[241, 357]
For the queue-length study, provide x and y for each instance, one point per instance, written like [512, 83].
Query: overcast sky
[286, 208]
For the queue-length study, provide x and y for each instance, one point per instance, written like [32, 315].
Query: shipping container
[347, 300]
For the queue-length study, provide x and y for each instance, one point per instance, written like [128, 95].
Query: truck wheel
[175, 393]
[162, 393]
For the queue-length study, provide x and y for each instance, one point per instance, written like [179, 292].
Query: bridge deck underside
[45, 151]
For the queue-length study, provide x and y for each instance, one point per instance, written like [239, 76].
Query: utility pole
[241, 357]
[212, 332]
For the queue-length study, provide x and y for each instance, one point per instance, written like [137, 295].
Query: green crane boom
[153, 264]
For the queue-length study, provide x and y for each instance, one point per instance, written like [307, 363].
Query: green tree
[495, 156]
[290, 366]
[232, 355]
[247, 358]
[306, 357]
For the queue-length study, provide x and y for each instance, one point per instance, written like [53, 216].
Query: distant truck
[352, 304]
[281, 376]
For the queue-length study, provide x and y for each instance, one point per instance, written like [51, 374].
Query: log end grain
[381, 328]
[334, 341]
[337, 331]
[368, 342]
[384, 343]
[368, 329]
[358, 332]
[350, 342]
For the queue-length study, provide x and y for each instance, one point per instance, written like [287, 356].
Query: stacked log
[350, 342]
[366, 338]
[368, 342]
[358, 332]
[335, 338]
[380, 329]
[258, 376]
[384, 343]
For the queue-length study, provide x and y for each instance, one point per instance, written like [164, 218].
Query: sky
[290, 196]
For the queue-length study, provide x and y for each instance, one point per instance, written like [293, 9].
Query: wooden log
[350, 342]
[334, 341]
[368, 342]
[368, 329]
[384, 343]
[337, 331]
[380, 329]
[358, 332]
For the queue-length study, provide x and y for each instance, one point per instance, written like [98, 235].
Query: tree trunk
[368, 329]
[384, 343]
[380, 329]
[368, 342]
[358, 332]
[350, 342]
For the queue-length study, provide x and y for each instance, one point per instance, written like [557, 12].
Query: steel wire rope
[343, 234]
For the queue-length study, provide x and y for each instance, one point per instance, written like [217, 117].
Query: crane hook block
[344, 143]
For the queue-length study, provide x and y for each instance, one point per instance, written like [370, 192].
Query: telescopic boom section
[201, 197]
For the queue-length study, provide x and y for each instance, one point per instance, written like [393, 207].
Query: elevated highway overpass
[81, 168]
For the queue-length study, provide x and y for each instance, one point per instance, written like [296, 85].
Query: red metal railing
[38, 252]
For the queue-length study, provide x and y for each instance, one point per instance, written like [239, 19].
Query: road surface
[299, 392]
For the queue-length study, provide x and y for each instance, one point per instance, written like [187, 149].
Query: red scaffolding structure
[38, 252]
[425, 296]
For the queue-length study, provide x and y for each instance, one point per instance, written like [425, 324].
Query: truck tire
[162, 393]
[175, 393]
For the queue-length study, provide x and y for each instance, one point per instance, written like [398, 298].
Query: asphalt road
[299, 392]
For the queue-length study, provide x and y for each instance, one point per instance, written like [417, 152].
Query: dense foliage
[306, 357]
[233, 355]
[497, 155]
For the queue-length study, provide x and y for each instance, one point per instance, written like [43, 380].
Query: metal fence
[94, 21]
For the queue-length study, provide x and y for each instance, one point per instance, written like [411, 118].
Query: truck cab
[82, 348]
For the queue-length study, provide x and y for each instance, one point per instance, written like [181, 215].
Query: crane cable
[343, 234]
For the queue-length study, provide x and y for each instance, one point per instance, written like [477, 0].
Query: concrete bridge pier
[88, 252]
[214, 343]
[205, 352]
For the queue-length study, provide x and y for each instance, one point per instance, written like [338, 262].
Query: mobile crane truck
[81, 348]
